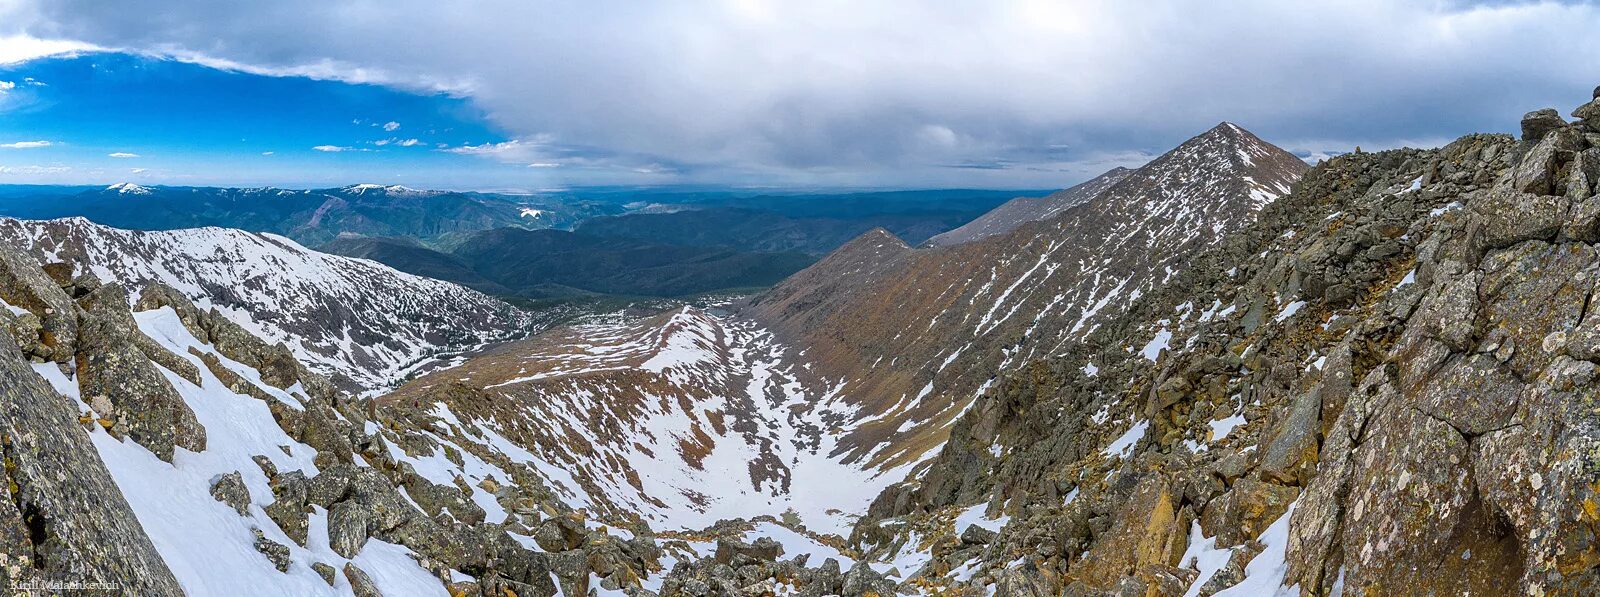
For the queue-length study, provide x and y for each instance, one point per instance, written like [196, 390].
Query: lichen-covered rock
[230, 489]
[144, 404]
[325, 571]
[24, 285]
[360, 583]
[277, 553]
[1146, 530]
[347, 528]
[65, 518]
[289, 506]
[1538, 123]
[764, 549]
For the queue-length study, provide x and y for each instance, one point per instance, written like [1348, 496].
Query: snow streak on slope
[362, 323]
[882, 321]
[685, 419]
[208, 546]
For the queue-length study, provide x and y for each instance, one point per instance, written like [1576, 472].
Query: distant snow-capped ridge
[128, 188]
[367, 187]
[362, 323]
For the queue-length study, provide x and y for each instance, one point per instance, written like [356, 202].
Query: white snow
[974, 515]
[1289, 310]
[1264, 575]
[1220, 429]
[15, 310]
[1152, 350]
[529, 212]
[208, 546]
[1124, 444]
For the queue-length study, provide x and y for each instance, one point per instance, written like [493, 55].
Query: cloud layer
[894, 92]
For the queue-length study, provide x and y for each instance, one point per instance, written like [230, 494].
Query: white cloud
[408, 143]
[391, 126]
[894, 91]
[268, 152]
[544, 165]
[7, 86]
[505, 148]
[122, 155]
[26, 144]
[331, 148]
[22, 48]
[34, 170]
[138, 170]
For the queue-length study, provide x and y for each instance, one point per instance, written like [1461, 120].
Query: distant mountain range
[308, 216]
[633, 242]
[558, 263]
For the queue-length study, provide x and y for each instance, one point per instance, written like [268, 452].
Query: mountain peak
[128, 188]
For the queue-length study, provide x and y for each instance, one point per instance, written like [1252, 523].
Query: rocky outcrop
[1393, 367]
[142, 404]
[63, 518]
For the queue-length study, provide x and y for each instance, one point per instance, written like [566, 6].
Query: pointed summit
[916, 335]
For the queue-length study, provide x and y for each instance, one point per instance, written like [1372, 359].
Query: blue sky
[113, 116]
[529, 94]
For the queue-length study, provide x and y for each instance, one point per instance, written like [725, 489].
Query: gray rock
[977, 535]
[55, 479]
[288, 507]
[1537, 123]
[277, 553]
[24, 285]
[325, 571]
[109, 364]
[230, 489]
[1536, 173]
[347, 528]
[360, 583]
[764, 549]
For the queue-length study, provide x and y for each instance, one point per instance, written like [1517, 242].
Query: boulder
[360, 583]
[977, 535]
[325, 571]
[144, 404]
[25, 286]
[1538, 123]
[230, 489]
[288, 507]
[60, 500]
[277, 553]
[347, 528]
[1245, 511]
[763, 549]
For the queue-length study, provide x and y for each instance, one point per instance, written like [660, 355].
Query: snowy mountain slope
[913, 335]
[362, 323]
[684, 419]
[207, 545]
[843, 377]
[1019, 211]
